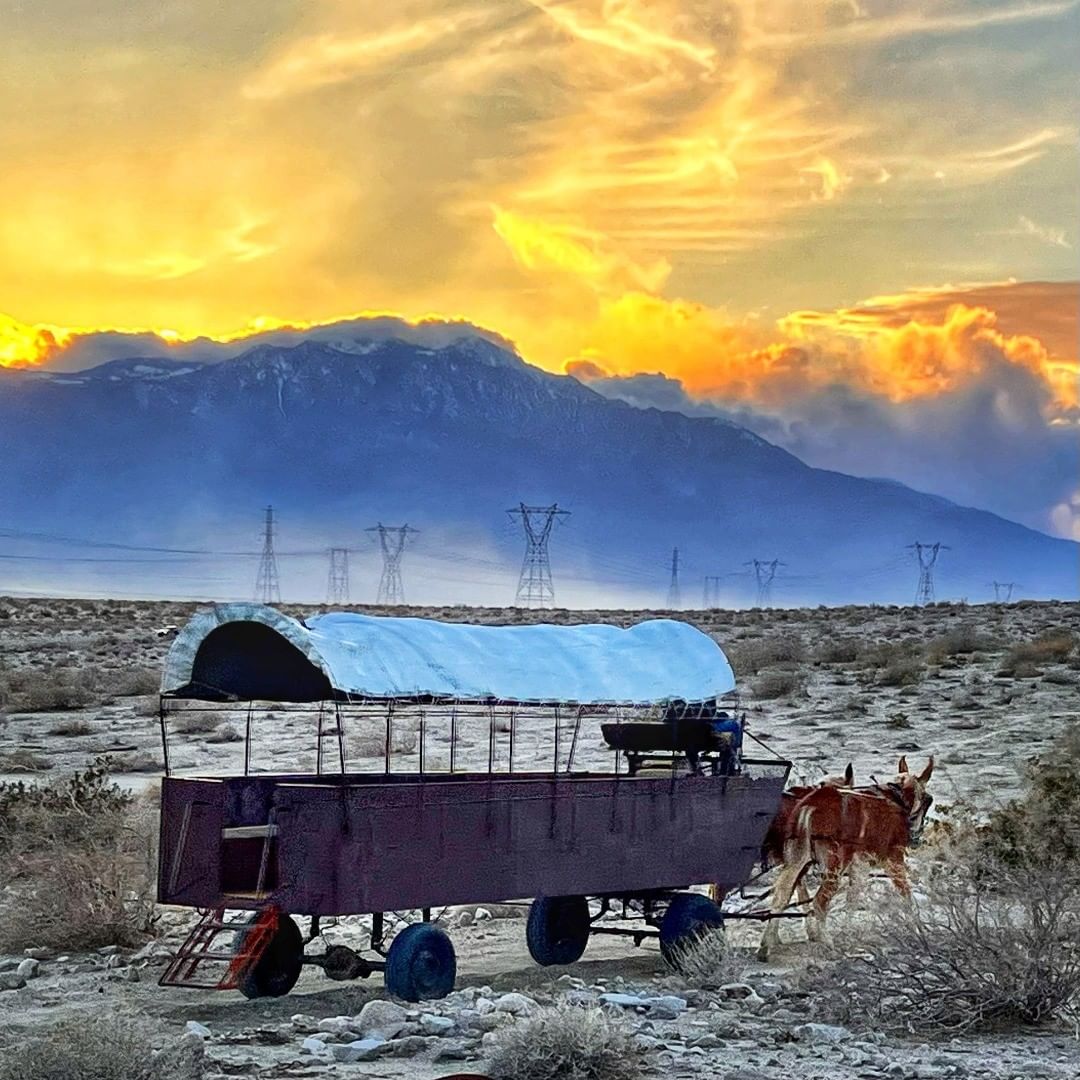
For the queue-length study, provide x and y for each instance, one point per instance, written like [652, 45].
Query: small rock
[667, 1007]
[482, 914]
[11, 980]
[28, 968]
[380, 1019]
[183, 1059]
[108, 950]
[36, 954]
[820, 1033]
[431, 1024]
[358, 1050]
[193, 1027]
[311, 1045]
[625, 1001]
[337, 1025]
[515, 1004]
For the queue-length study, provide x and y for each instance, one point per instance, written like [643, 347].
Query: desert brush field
[978, 977]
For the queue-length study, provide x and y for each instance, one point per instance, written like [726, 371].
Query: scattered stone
[28, 968]
[380, 1019]
[431, 1024]
[338, 1025]
[820, 1033]
[358, 1050]
[515, 1004]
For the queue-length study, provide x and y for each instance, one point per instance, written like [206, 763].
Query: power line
[674, 595]
[392, 541]
[337, 582]
[1003, 591]
[267, 585]
[927, 555]
[710, 596]
[535, 587]
[764, 574]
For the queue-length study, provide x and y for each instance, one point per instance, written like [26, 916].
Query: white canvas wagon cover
[249, 652]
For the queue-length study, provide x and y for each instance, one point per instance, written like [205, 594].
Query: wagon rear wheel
[558, 929]
[421, 964]
[278, 966]
[689, 918]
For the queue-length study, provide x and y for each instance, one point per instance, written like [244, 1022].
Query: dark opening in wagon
[590, 767]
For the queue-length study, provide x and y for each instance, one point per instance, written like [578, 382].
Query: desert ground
[971, 685]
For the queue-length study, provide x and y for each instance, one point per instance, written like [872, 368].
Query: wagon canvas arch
[503, 808]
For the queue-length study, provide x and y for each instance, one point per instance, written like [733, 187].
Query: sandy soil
[901, 688]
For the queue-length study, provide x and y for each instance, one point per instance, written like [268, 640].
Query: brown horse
[832, 827]
[772, 847]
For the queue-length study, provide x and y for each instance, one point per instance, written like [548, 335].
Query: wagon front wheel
[689, 918]
[420, 964]
[558, 929]
[278, 966]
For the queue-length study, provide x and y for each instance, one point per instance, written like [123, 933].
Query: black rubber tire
[557, 931]
[420, 964]
[689, 916]
[276, 971]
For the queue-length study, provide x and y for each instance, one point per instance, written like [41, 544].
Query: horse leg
[830, 885]
[796, 861]
[896, 869]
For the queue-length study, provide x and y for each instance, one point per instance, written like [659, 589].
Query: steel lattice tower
[267, 585]
[392, 541]
[535, 588]
[927, 555]
[1003, 591]
[710, 596]
[674, 593]
[337, 582]
[764, 573]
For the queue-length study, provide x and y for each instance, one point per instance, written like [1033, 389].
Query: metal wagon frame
[272, 846]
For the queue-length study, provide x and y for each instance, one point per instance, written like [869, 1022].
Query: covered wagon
[591, 767]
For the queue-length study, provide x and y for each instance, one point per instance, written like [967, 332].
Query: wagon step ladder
[198, 948]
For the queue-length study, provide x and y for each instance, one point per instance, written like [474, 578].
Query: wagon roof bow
[253, 652]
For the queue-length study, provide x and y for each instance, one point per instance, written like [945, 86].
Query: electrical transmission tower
[1003, 591]
[927, 555]
[674, 593]
[392, 541]
[267, 586]
[535, 588]
[710, 597]
[337, 582]
[764, 573]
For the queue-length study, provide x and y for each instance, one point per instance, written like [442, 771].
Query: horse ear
[902, 765]
[849, 776]
[925, 775]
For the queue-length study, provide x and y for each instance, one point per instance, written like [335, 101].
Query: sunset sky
[813, 214]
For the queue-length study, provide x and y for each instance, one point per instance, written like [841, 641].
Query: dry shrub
[904, 671]
[99, 1048]
[194, 723]
[1052, 647]
[706, 961]
[565, 1043]
[841, 650]
[133, 682]
[24, 761]
[749, 657]
[959, 641]
[224, 733]
[990, 942]
[776, 684]
[68, 728]
[47, 691]
[79, 861]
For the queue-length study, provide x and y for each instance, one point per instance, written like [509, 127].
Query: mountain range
[158, 453]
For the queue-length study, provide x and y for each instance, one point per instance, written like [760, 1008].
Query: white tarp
[376, 656]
